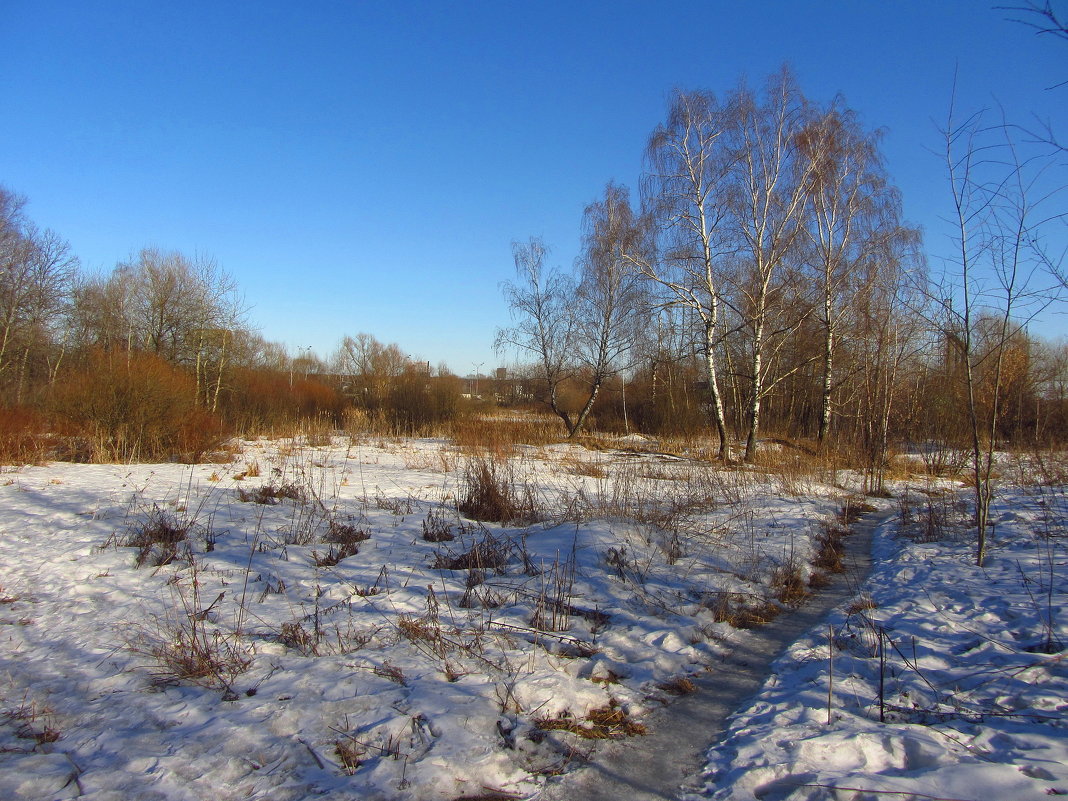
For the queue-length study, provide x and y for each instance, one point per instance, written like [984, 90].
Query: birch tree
[853, 233]
[609, 297]
[686, 165]
[768, 190]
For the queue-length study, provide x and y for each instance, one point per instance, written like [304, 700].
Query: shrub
[24, 435]
[135, 406]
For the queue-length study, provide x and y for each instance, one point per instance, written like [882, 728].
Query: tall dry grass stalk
[500, 435]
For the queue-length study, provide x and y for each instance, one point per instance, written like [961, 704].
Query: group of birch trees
[769, 235]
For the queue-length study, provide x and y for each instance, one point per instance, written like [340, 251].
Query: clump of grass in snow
[788, 584]
[157, 538]
[604, 723]
[344, 540]
[436, 528]
[680, 685]
[186, 646]
[741, 612]
[489, 493]
[489, 553]
[33, 722]
[269, 494]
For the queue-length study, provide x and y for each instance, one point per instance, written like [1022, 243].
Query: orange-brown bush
[129, 406]
[24, 435]
[270, 402]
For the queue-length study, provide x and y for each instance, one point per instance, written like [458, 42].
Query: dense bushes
[265, 401]
[118, 406]
[24, 435]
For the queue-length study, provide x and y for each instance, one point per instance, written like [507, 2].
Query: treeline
[764, 283]
[156, 359]
[767, 282]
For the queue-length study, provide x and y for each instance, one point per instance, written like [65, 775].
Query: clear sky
[365, 166]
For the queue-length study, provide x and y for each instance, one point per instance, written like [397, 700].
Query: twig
[910, 793]
[311, 751]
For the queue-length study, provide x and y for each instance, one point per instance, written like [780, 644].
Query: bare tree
[1042, 17]
[854, 237]
[162, 302]
[609, 298]
[768, 189]
[36, 274]
[545, 323]
[175, 297]
[369, 368]
[1000, 272]
[682, 190]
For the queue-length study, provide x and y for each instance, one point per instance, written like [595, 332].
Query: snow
[380, 676]
[386, 675]
[975, 681]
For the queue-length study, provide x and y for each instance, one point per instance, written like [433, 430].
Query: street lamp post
[478, 368]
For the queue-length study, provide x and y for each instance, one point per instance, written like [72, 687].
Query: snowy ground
[339, 651]
[974, 676]
[324, 644]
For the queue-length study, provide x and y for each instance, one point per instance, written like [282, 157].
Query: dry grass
[818, 580]
[349, 756]
[33, 722]
[500, 435]
[742, 612]
[489, 491]
[862, 604]
[583, 467]
[391, 672]
[25, 436]
[157, 539]
[344, 540]
[605, 723]
[788, 585]
[295, 636]
[854, 510]
[436, 528]
[187, 647]
[270, 494]
[252, 470]
[489, 553]
[679, 685]
[436, 461]
[830, 547]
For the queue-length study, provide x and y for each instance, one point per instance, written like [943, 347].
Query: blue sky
[365, 166]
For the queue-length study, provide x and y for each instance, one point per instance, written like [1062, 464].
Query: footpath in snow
[651, 767]
[946, 681]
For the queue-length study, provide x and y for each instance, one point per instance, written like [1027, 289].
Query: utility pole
[478, 368]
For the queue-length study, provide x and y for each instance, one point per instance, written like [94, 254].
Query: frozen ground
[321, 643]
[974, 699]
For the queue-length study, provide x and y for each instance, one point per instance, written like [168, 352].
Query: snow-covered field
[322, 642]
[974, 699]
[323, 621]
